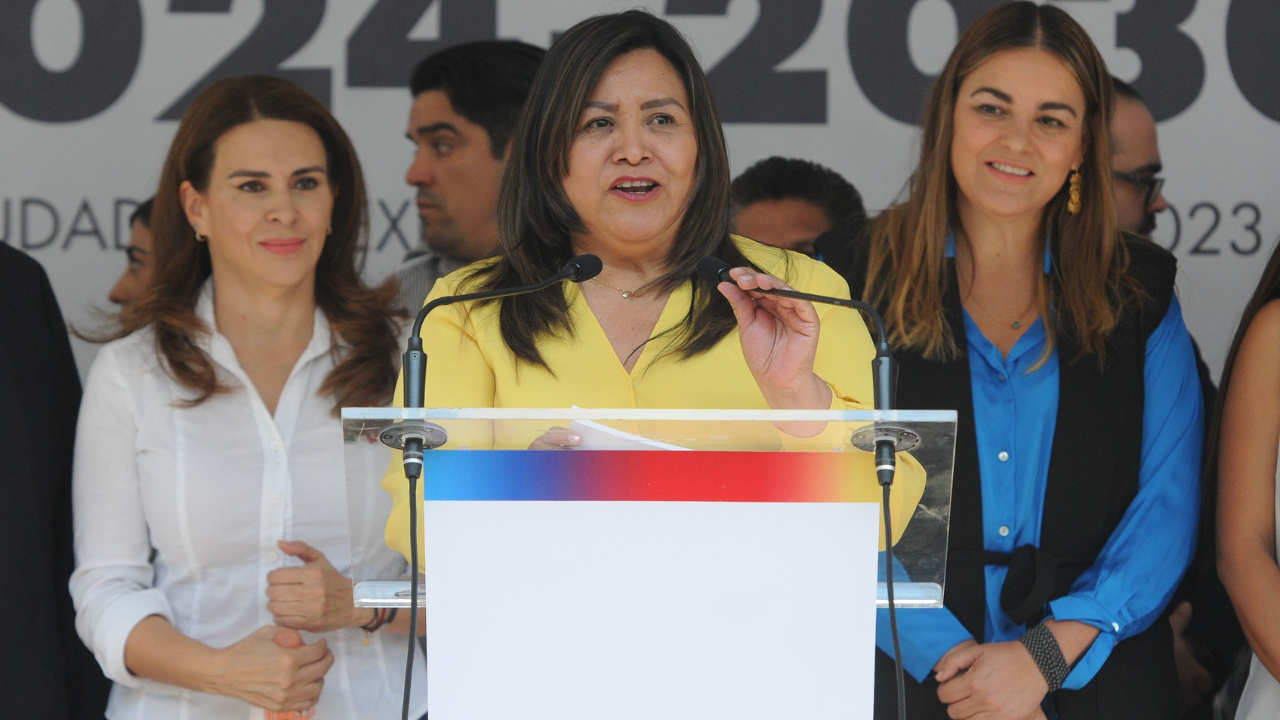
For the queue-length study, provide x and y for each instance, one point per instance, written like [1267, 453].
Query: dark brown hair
[1089, 287]
[536, 221]
[357, 315]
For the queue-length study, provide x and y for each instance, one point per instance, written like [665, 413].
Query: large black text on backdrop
[90, 92]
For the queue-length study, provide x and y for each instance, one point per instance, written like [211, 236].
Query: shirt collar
[1048, 264]
[216, 345]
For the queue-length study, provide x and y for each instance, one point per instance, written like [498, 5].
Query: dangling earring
[330, 228]
[1073, 200]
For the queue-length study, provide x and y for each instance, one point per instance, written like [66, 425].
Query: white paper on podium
[596, 436]
[617, 610]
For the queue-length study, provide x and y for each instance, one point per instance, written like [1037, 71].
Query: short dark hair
[486, 81]
[779, 178]
[142, 213]
[1125, 90]
[536, 220]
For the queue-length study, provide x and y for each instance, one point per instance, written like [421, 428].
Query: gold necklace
[632, 293]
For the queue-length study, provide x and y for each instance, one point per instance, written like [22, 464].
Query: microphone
[884, 373]
[884, 439]
[580, 269]
[413, 438]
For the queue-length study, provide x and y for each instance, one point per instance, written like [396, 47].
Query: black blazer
[45, 671]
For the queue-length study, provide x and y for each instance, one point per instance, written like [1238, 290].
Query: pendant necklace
[1015, 324]
[632, 293]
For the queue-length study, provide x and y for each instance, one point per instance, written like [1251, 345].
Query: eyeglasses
[1153, 185]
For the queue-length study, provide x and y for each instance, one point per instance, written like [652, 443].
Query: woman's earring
[199, 237]
[330, 228]
[1073, 201]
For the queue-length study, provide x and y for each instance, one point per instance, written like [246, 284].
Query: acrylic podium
[675, 564]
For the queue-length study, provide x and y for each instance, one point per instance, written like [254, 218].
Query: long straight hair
[536, 221]
[358, 315]
[1268, 289]
[1089, 287]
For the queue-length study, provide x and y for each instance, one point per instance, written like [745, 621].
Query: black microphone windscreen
[714, 270]
[584, 267]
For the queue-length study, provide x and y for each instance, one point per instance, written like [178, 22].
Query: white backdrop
[90, 89]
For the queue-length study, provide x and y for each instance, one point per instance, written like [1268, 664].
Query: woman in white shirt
[208, 487]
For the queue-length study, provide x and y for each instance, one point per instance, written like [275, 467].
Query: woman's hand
[946, 662]
[314, 597]
[779, 341]
[557, 438]
[994, 681]
[263, 673]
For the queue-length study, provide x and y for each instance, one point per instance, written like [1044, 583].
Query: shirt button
[274, 557]
[1004, 531]
[1004, 456]
[275, 445]
[1002, 377]
[275, 499]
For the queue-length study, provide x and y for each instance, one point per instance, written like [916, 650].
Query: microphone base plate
[433, 436]
[904, 439]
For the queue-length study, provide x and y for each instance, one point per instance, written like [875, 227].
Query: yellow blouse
[469, 365]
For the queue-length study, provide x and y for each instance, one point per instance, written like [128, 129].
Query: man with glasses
[1135, 160]
[1206, 634]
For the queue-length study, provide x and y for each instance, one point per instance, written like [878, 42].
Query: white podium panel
[568, 610]
[674, 564]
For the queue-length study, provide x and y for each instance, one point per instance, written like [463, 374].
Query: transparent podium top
[643, 456]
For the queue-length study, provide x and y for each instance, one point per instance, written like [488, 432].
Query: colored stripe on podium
[649, 476]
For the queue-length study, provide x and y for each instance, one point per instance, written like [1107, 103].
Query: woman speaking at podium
[619, 153]
[1013, 297]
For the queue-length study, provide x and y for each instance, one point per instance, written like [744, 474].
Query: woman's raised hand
[779, 341]
[264, 674]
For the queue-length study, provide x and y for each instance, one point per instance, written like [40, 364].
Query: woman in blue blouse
[1012, 295]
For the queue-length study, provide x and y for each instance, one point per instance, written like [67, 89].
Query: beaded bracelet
[1044, 649]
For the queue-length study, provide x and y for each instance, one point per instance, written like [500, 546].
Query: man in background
[1135, 162]
[466, 99]
[137, 271]
[1207, 635]
[788, 203]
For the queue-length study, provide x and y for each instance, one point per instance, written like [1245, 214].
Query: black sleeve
[55, 676]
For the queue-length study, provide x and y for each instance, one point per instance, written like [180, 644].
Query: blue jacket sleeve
[1144, 559]
[925, 634]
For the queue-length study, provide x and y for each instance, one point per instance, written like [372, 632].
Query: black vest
[1093, 476]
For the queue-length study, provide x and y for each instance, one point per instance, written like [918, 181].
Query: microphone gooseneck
[579, 269]
[715, 271]
[884, 378]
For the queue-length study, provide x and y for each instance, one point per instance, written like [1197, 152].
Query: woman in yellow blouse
[619, 153]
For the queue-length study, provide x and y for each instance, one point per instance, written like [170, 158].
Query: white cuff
[117, 622]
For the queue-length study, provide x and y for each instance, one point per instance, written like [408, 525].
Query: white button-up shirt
[178, 511]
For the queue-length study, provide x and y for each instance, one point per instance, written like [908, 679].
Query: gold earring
[199, 237]
[1073, 201]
